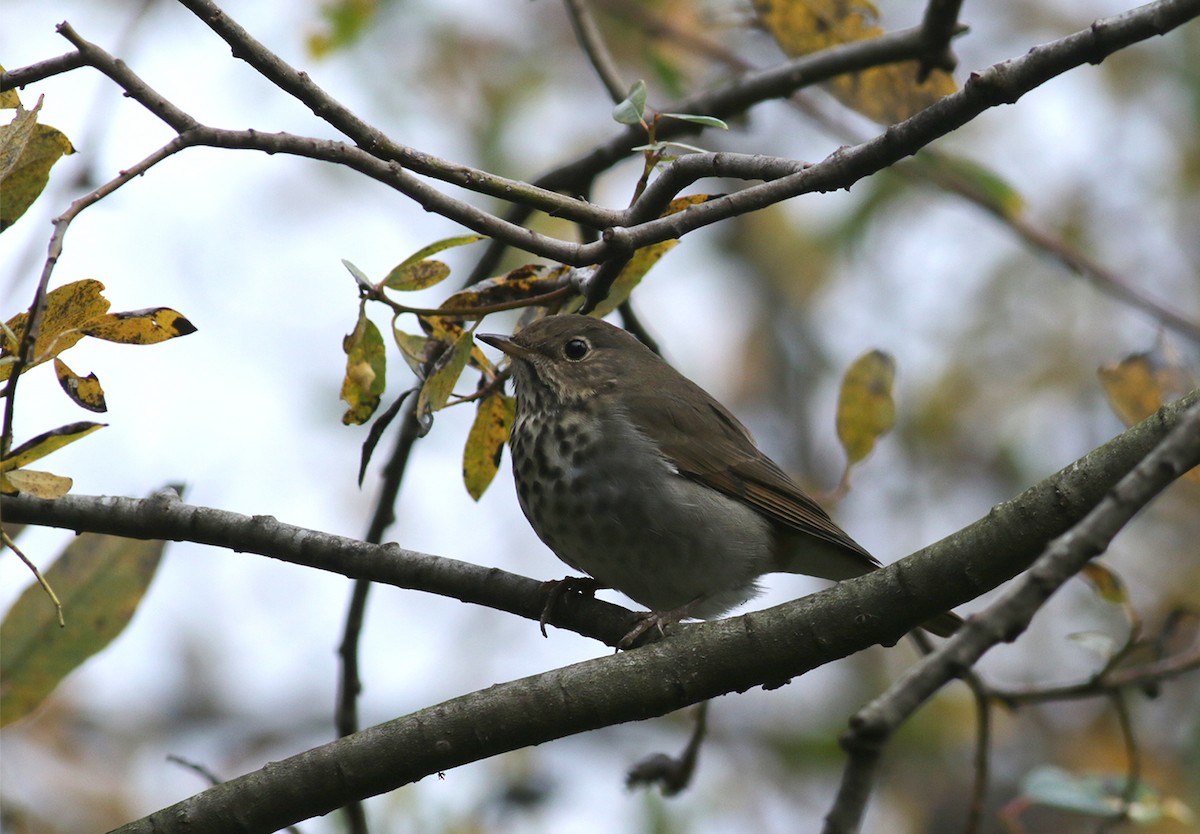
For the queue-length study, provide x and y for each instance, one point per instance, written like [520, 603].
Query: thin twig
[592, 42]
[37, 575]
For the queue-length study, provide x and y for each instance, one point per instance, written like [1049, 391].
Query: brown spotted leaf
[45, 485]
[68, 309]
[513, 288]
[485, 442]
[140, 327]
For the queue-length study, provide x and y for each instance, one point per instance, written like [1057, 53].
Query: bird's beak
[504, 343]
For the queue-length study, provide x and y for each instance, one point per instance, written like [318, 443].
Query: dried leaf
[515, 286]
[85, 391]
[866, 410]
[100, 581]
[485, 442]
[43, 485]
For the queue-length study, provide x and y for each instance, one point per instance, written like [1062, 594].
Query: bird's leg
[656, 619]
[555, 588]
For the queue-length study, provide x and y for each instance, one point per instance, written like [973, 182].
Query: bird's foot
[655, 619]
[555, 588]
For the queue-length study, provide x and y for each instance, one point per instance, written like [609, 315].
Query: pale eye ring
[576, 349]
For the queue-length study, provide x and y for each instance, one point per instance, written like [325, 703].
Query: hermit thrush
[634, 475]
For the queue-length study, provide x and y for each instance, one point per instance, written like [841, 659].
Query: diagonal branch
[1008, 617]
[766, 648]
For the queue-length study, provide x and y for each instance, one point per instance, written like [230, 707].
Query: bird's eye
[576, 349]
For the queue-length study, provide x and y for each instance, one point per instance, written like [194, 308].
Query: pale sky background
[246, 410]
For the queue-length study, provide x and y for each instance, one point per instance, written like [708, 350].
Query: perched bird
[635, 475]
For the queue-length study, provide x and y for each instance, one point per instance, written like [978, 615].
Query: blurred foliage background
[230, 663]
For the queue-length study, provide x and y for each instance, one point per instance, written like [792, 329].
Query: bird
[636, 476]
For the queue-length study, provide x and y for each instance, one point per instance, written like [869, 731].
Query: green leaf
[444, 374]
[1099, 796]
[705, 121]
[438, 246]
[416, 276]
[974, 180]
[360, 277]
[632, 108]
[366, 367]
[866, 410]
[28, 151]
[100, 581]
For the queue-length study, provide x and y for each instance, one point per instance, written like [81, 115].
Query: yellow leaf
[891, 94]
[1133, 387]
[38, 484]
[28, 151]
[804, 26]
[866, 410]
[643, 259]
[85, 391]
[68, 308]
[446, 370]
[100, 581]
[887, 94]
[366, 366]
[46, 443]
[140, 327]
[485, 442]
[1107, 584]
[631, 275]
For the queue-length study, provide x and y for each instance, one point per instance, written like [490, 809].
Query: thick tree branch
[766, 648]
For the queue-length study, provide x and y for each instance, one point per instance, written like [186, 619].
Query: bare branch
[19, 77]
[592, 42]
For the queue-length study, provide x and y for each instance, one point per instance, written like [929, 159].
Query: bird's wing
[708, 444]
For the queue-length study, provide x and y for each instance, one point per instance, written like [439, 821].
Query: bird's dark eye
[576, 349]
